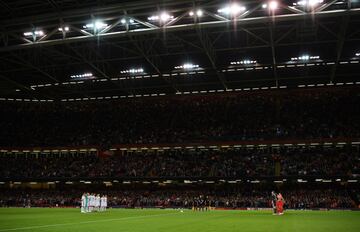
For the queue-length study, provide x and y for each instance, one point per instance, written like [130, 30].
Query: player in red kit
[280, 204]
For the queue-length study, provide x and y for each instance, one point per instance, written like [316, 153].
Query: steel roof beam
[241, 21]
[339, 46]
[139, 57]
[211, 54]
[273, 55]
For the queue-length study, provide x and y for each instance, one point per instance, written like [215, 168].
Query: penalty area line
[85, 222]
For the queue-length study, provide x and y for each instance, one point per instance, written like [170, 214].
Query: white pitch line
[79, 223]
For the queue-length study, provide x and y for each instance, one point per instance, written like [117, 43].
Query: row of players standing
[201, 203]
[91, 202]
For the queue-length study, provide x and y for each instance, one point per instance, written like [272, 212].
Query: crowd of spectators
[175, 163]
[329, 198]
[295, 199]
[253, 116]
[244, 162]
[288, 114]
[331, 161]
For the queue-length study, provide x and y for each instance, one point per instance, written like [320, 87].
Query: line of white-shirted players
[91, 202]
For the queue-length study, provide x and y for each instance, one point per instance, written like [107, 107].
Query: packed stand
[287, 114]
[321, 161]
[294, 199]
[175, 163]
[225, 163]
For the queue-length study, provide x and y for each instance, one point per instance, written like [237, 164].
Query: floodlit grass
[60, 220]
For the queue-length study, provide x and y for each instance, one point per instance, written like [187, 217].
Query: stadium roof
[62, 49]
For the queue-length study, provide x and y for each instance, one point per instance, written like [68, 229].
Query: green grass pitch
[135, 220]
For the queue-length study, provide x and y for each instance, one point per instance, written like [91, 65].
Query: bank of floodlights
[133, 71]
[163, 17]
[127, 21]
[308, 3]
[243, 62]
[64, 29]
[80, 76]
[272, 5]
[305, 58]
[196, 13]
[187, 66]
[233, 10]
[34, 33]
[96, 25]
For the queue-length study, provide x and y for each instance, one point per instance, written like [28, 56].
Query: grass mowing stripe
[85, 222]
[138, 220]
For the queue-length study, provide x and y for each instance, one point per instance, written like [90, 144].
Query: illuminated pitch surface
[42, 219]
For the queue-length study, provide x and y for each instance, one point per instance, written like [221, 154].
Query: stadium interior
[155, 103]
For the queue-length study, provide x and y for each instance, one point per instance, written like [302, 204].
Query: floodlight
[243, 62]
[308, 3]
[163, 17]
[64, 28]
[233, 9]
[99, 25]
[96, 25]
[84, 75]
[153, 18]
[314, 2]
[133, 70]
[39, 33]
[187, 66]
[140, 70]
[273, 5]
[34, 33]
[199, 13]
[125, 20]
[305, 58]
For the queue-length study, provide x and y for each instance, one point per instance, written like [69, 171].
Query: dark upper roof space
[145, 47]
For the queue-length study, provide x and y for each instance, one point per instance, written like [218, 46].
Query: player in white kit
[103, 203]
[91, 202]
[97, 202]
[83, 203]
